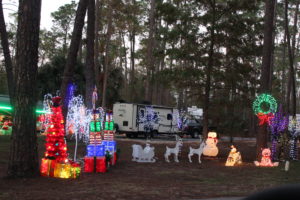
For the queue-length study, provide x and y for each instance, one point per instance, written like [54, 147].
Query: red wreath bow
[265, 118]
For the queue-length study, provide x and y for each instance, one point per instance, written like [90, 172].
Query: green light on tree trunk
[10, 108]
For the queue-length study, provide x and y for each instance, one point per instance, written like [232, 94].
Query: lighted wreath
[264, 104]
[264, 107]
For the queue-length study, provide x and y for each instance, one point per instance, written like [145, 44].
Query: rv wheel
[153, 134]
[195, 134]
[135, 135]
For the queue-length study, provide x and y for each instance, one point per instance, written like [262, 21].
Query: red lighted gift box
[109, 135]
[89, 164]
[95, 138]
[47, 167]
[113, 159]
[100, 164]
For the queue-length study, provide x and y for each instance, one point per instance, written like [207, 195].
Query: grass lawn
[160, 180]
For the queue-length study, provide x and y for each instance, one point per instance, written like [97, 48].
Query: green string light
[5, 107]
[264, 100]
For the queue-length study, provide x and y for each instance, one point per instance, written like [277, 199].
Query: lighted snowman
[211, 148]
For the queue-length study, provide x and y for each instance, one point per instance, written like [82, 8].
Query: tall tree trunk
[7, 57]
[107, 54]
[261, 139]
[150, 50]
[97, 44]
[72, 53]
[125, 67]
[132, 63]
[23, 161]
[208, 71]
[291, 56]
[90, 64]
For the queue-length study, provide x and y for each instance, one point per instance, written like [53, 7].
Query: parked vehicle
[127, 118]
[194, 127]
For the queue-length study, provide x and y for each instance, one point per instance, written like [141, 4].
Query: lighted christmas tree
[56, 162]
[56, 148]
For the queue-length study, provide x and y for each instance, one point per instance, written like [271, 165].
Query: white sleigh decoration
[143, 155]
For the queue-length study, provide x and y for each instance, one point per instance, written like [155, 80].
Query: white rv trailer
[127, 120]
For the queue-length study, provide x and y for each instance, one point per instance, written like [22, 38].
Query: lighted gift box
[109, 126]
[95, 126]
[113, 159]
[109, 135]
[89, 164]
[62, 170]
[95, 150]
[45, 167]
[100, 164]
[75, 170]
[95, 138]
[110, 146]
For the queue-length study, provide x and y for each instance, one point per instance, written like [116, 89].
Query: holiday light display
[5, 126]
[94, 161]
[264, 107]
[266, 159]
[55, 162]
[109, 138]
[147, 119]
[277, 125]
[294, 130]
[234, 157]
[211, 148]
[95, 149]
[78, 120]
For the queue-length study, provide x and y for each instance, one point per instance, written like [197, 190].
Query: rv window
[125, 123]
[142, 113]
[169, 117]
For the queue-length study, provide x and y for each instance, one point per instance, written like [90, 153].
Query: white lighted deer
[198, 151]
[174, 150]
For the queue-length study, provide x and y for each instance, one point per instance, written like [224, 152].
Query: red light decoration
[56, 162]
[265, 118]
[56, 147]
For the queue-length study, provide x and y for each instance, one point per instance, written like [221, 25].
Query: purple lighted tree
[277, 125]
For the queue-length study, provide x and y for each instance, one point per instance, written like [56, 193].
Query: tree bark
[97, 44]
[132, 63]
[209, 68]
[107, 54]
[291, 56]
[72, 53]
[150, 50]
[7, 56]
[90, 64]
[265, 86]
[23, 160]
[125, 66]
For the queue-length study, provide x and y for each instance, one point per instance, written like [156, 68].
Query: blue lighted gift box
[110, 146]
[95, 150]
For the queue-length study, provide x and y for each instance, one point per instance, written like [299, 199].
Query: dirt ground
[160, 180]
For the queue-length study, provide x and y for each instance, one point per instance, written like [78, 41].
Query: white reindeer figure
[198, 151]
[174, 150]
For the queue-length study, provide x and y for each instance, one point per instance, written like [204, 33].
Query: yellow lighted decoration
[234, 157]
[62, 170]
[211, 148]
